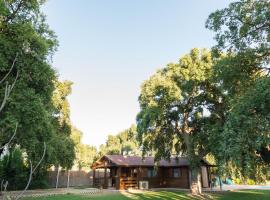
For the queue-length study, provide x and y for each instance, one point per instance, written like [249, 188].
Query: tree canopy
[34, 103]
[215, 102]
[123, 143]
[175, 104]
[85, 154]
[242, 33]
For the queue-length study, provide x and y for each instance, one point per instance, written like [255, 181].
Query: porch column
[162, 173]
[138, 176]
[117, 178]
[105, 177]
[209, 177]
[94, 177]
[189, 177]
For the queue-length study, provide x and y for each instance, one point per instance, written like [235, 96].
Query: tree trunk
[195, 174]
[196, 183]
[57, 176]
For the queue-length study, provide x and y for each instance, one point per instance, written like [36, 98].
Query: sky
[109, 47]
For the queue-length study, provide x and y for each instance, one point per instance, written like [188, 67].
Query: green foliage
[243, 27]
[242, 134]
[173, 116]
[85, 154]
[246, 131]
[123, 143]
[13, 169]
[251, 182]
[63, 151]
[38, 102]
[39, 180]
[237, 181]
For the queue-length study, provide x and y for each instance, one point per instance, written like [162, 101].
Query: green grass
[241, 195]
[245, 195]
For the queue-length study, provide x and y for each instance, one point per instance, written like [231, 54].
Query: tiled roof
[147, 161]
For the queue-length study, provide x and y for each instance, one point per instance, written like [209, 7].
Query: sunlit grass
[166, 195]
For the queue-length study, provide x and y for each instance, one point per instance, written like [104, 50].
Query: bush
[13, 170]
[39, 184]
[237, 181]
[251, 182]
[39, 180]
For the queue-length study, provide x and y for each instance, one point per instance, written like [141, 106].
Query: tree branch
[8, 87]
[15, 11]
[12, 66]
[32, 171]
[7, 144]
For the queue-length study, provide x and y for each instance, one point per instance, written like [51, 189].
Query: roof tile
[147, 161]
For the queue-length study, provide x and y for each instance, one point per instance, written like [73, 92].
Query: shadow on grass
[168, 195]
[244, 195]
[171, 195]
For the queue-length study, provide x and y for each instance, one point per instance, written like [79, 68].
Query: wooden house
[123, 172]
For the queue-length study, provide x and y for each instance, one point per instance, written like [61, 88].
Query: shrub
[13, 169]
[39, 180]
[250, 182]
[237, 181]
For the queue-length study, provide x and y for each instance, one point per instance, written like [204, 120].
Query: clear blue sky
[109, 47]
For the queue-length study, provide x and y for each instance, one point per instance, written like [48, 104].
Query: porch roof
[137, 161]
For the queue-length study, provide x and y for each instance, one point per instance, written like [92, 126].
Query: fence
[72, 178]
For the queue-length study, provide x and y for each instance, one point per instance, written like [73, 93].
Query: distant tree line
[85, 154]
[123, 143]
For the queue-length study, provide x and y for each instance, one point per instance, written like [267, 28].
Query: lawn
[242, 195]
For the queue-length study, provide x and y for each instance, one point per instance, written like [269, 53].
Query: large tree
[242, 33]
[24, 35]
[175, 111]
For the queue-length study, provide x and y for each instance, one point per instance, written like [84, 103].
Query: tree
[175, 113]
[85, 154]
[24, 35]
[243, 27]
[12, 165]
[63, 145]
[242, 33]
[248, 125]
[128, 141]
[124, 143]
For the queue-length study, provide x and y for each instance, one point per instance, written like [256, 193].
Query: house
[122, 172]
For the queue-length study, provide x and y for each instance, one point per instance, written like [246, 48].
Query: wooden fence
[72, 178]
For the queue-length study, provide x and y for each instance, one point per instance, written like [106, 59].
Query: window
[176, 172]
[151, 172]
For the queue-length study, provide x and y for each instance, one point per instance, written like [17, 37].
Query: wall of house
[155, 181]
[205, 178]
[176, 182]
[164, 178]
